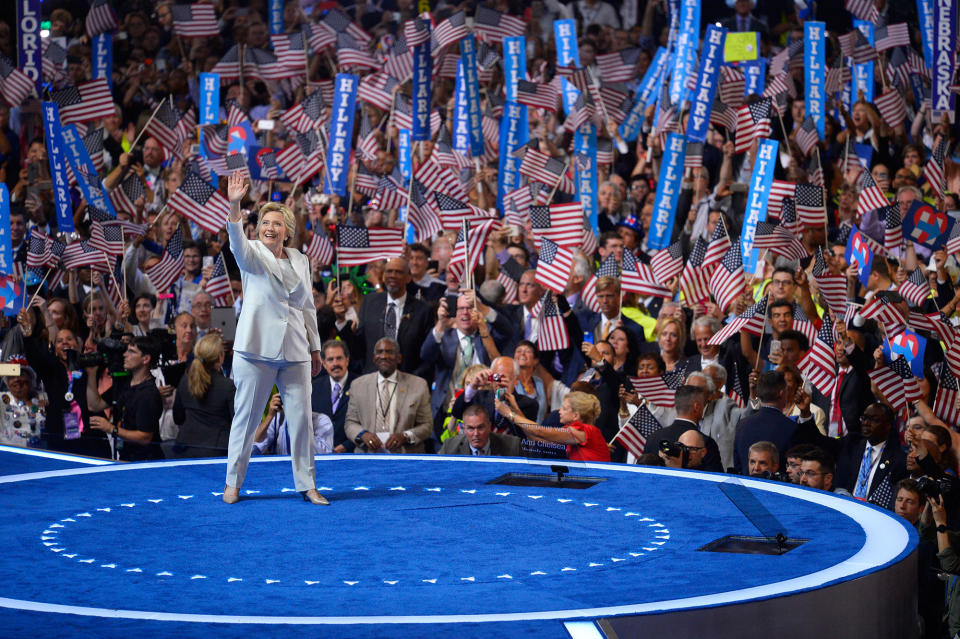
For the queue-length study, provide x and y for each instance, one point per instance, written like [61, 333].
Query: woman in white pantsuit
[277, 341]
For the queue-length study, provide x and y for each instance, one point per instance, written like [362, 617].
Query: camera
[496, 377]
[109, 353]
[934, 488]
[672, 449]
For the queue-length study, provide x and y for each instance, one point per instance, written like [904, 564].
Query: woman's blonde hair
[289, 220]
[585, 405]
[206, 358]
[681, 331]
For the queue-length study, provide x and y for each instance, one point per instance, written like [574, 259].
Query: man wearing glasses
[817, 471]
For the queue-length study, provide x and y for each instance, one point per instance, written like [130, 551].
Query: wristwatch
[358, 440]
[942, 528]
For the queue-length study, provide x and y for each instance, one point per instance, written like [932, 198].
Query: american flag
[471, 246]
[101, 18]
[195, 21]
[350, 53]
[633, 435]
[367, 143]
[863, 9]
[541, 96]
[340, 22]
[915, 289]
[416, 32]
[229, 65]
[779, 189]
[398, 61]
[810, 203]
[637, 277]
[553, 334]
[788, 216]
[933, 170]
[695, 278]
[554, 266]
[509, 275]
[302, 158]
[171, 127]
[269, 168]
[391, 194]
[723, 115]
[668, 263]
[891, 107]
[81, 254]
[378, 89]
[170, 267]
[85, 101]
[693, 156]
[896, 383]
[291, 51]
[446, 155]
[451, 30]
[215, 138]
[263, 65]
[93, 142]
[112, 280]
[819, 365]
[833, 287]
[320, 36]
[540, 167]
[319, 249]
[218, 286]
[619, 66]
[891, 35]
[871, 195]
[887, 313]
[561, 223]
[201, 203]
[366, 182]
[836, 79]
[947, 403]
[124, 197]
[815, 170]
[106, 237]
[493, 26]
[425, 220]
[753, 122]
[892, 226]
[609, 268]
[38, 250]
[807, 136]
[452, 211]
[779, 83]
[727, 281]
[935, 323]
[855, 45]
[719, 245]
[358, 245]
[582, 111]
[306, 115]
[751, 320]
[659, 389]
[732, 84]
[54, 61]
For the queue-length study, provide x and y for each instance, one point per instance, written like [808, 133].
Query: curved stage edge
[477, 559]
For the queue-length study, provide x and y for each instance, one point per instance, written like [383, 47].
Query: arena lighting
[44, 33]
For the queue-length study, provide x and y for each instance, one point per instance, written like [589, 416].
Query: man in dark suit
[743, 20]
[851, 395]
[873, 475]
[331, 391]
[690, 402]
[394, 314]
[770, 424]
[477, 437]
[422, 285]
[609, 317]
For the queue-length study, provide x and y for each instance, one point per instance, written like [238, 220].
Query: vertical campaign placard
[58, 167]
[340, 136]
[863, 73]
[514, 65]
[461, 115]
[565, 36]
[103, 58]
[28, 39]
[687, 40]
[514, 133]
[585, 168]
[756, 209]
[6, 251]
[422, 91]
[276, 16]
[754, 75]
[944, 36]
[668, 192]
[403, 153]
[471, 85]
[209, 98]
[814, 101]
[85, 170]
[699, 121]
[925, 17]
[646, 93]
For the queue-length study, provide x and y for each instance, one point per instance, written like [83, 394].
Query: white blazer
[270, 312]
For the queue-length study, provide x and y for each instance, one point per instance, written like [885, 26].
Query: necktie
[467, 347]
[528, 326]
[390, 321]
[743, 23]
[476, 452]
[860, 490]
[836, 419]
[606, 329]
[335, 397]
[383, 409]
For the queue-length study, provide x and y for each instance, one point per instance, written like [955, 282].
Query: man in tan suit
[389, 410]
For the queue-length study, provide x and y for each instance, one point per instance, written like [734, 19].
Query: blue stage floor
[151, 549]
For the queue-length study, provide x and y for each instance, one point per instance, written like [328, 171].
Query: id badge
[72, 422]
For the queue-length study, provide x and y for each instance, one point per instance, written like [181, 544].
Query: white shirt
[534, 325]
[874, 462]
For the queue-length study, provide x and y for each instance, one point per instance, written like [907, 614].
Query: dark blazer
[430, 294]
[571, 358]
[500, 446]
[711, 460]
[205, 422]
[854, 392]
[528, 406]
[321, 403]
[415, 324]
[892, 467]
[595, 322]
[769, 424]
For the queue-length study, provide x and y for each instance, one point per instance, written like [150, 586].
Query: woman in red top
[584, 440]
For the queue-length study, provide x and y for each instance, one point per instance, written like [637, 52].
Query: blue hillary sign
[687, 40]
[585, 168]
[944, 39]
[341, 132]
[926, 225]
[103, 57]
[925, 16]
[814, 99]
[468, 55]
[276, 16]
[514, 133]
[646, 93]
[85, 170]
[58, 167]
[404, 153]
[909, 346]
[699, 120]
[422, 90]
[514, 65]
[209, 98]
[461, 114]
[754, 75]
[668, 192]
[863, 73]
[6, 251]
[756, 210]
[565, 36]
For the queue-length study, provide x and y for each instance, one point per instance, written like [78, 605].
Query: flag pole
[336, 254]
[566, 165]
[112, 276]
[780, 117]
[144, 129]
[240, 60]
[39, 286]
[826, 213]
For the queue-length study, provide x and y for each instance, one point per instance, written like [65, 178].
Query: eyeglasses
[882, 176]
[810, 473]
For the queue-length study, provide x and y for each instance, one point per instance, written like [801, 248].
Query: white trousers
[254, 380]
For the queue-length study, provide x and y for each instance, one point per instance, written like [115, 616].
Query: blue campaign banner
[944, 37]
[687, 41]
[85, 170]
[565, 35]
[276, 16]
[471, 85]
[646, 93]
[514, 65]
[209, 98]
[340, 136]
[514, 133]
[58, 167]
[814, 99]
[756, 209]
[461, 115]
[11, 296]
[909, 346]
[103, 58]
[6, 250]
[422, 90]
[925, 16]
[858, 251]
[925, 225]
[755, 75]
[403, 152]
[585, 168]
[863, 73]
[712, 58]
[668, 191]
[864, 154]
[28, 39]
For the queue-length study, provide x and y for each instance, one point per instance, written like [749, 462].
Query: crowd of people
[817, 369]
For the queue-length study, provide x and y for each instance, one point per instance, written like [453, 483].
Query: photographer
[137, 406]
[931, 450]
[947, 555]
[689, 451]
